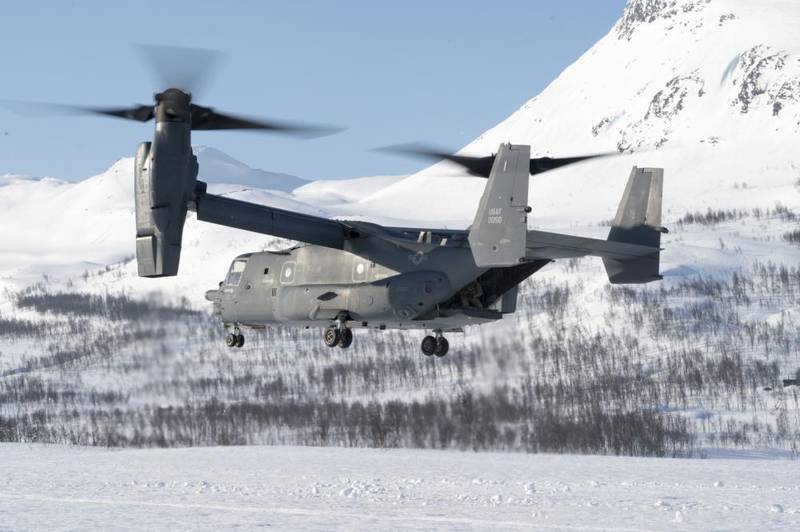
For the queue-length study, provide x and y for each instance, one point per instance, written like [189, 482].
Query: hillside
[63, 229]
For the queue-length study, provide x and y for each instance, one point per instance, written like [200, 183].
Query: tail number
[495, 216]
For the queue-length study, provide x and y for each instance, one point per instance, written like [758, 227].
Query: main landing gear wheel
[442, 346]
[428, 346]
[332, 336]
[345, 338]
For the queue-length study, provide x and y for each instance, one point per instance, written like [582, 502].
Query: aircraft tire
[239, 340]
[231, 340]
[442, 346]
[346, 338]
[428, 346]
[332, 336]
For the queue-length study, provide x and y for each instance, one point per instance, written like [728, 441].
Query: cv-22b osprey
[351, 274]
[346, 275]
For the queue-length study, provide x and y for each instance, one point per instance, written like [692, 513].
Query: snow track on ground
[73, 488]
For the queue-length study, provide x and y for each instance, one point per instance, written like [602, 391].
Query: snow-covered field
[307, 488]
[677, 368]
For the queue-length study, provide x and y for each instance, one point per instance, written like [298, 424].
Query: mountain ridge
[709, 118]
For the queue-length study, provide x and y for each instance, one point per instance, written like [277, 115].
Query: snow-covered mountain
[218, 167]
[714, 83]
[61, 229]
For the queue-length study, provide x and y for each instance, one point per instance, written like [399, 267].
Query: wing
[271, 221]
[314, 229]
[416, 239]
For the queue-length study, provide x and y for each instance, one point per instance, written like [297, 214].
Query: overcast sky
[434, 71]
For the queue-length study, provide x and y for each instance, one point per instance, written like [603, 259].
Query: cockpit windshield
[235, 273]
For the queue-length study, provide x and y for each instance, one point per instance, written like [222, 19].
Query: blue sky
[434, 71]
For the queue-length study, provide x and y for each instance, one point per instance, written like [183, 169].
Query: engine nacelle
[165, 178]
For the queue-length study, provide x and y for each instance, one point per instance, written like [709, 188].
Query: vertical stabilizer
[638, 221]
[497, 236]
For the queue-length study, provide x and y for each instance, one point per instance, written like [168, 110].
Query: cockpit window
[235, 273]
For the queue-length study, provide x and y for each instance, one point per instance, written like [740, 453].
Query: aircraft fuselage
[312, 285]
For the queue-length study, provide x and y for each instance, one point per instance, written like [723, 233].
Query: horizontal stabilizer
[631, 254]
[545, 245]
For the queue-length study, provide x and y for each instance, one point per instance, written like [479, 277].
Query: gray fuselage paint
[311, 285]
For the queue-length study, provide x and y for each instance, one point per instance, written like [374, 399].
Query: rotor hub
[173, 105]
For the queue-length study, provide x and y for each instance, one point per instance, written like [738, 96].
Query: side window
[359, 271]
[235, 274]
[287, 272]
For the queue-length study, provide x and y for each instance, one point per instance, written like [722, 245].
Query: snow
[219, 167]
[724, 144]
[343, 191]
[307, 488]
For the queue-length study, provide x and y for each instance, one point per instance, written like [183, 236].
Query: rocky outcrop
[639, 12]
[766, 78]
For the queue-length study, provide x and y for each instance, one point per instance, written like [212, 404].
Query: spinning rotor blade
[181, 72]
[203, 118]
[190, 69]
[476, 166]
[544, 164]
[140, 113]
[206, 118]
[187, 69]
[482, 166]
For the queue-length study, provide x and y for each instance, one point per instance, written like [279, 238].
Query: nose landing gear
[235, 339]
[437, 345]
